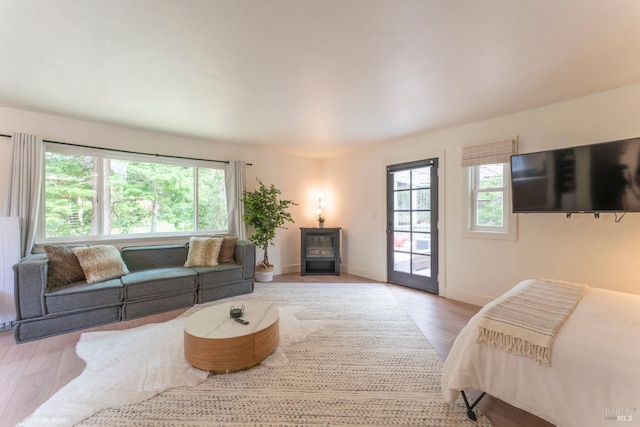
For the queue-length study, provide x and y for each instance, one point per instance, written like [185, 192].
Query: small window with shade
[487, 193]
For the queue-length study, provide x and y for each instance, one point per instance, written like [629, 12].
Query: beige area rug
[350, 356]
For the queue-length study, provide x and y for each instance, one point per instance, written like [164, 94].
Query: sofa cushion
[218, 275]
[225, 290]
[140, 258]
[203, 251]
[64, 266]
[83, 295]
[150, 283]
[101, 262]
[40, 327]
[144, 307]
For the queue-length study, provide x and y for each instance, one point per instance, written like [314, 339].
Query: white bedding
[594, 378]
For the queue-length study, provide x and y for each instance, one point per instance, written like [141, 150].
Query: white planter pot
[264, 276]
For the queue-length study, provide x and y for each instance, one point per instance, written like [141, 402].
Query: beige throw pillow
[203, 251]
[64, 266]
[101, 262]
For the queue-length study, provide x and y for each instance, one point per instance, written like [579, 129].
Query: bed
[594, 373]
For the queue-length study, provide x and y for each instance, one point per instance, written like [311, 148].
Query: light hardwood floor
[32, 372]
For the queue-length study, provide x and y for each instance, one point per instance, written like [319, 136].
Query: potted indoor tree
[265, 212]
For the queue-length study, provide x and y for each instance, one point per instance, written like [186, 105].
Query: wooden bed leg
[470, 413]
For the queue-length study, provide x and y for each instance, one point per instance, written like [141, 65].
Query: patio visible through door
[412, 224]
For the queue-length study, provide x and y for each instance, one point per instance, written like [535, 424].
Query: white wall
[582, 249]
[298, 179]
[294, 176]
[599, 252]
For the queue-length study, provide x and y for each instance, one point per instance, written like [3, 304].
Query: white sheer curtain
[27, 168]
[235, 179]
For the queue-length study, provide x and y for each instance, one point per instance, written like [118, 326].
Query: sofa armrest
[30, 281]
[246, 257]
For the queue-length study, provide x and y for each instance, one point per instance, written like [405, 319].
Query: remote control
[239, 320]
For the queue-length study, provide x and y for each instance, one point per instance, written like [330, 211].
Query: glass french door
[412, 224]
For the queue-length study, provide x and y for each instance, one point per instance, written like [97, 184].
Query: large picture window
[91, 193]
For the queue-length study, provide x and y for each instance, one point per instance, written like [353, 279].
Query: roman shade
[488, 153]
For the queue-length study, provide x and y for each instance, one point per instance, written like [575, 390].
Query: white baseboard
[455, 294]
[464, 296]
[292, 268]
[295, 268]
[362, 273]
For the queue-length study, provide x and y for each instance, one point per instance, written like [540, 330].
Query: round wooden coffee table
[215, 342]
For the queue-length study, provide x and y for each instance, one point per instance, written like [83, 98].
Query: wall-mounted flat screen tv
[602, 177]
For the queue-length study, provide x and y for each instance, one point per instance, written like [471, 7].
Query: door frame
[440, 155]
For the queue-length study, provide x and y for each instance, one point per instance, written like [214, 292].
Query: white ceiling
[315, 78]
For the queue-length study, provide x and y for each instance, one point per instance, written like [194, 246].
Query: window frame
[508, 230]
[101, 155]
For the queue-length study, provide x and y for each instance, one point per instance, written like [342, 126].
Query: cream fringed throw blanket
[527, 322]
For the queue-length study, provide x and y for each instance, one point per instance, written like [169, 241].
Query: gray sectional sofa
[157, 281]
